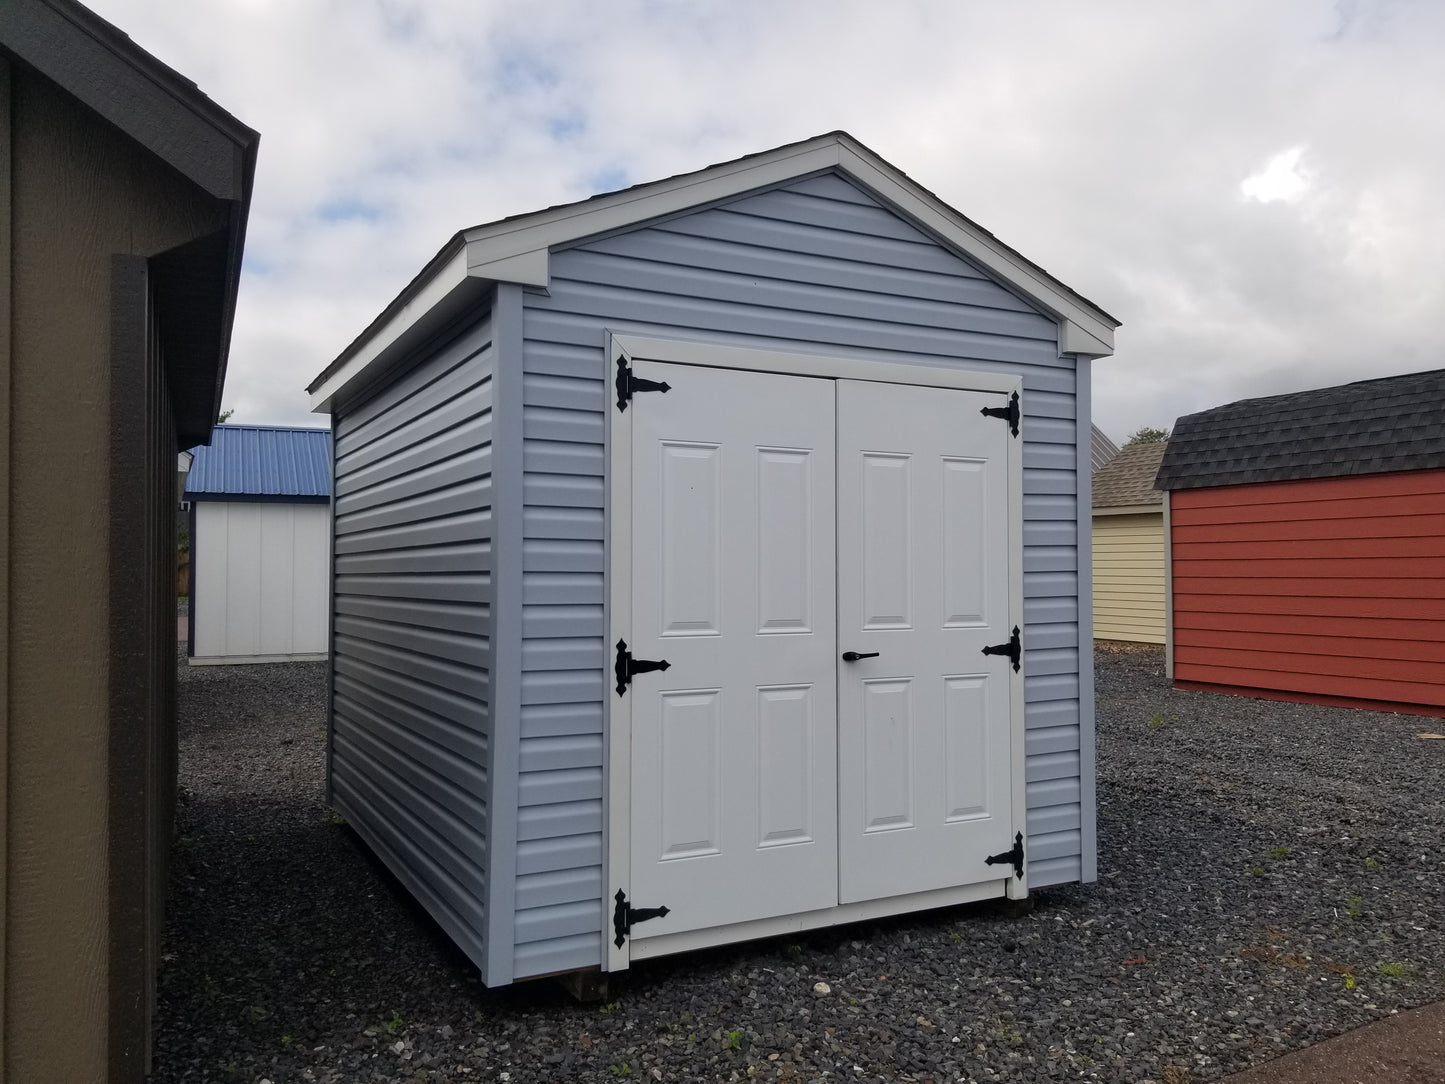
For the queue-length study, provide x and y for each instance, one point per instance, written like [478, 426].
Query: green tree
[225, 416]
[1148, 435]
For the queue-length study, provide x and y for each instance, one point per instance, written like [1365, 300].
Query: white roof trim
[516, 250]
[446, 281]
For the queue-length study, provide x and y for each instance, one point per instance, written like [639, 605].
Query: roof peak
[517, 250]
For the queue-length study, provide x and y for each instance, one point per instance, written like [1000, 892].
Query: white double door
[777, 523]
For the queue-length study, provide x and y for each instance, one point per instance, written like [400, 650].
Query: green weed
[1393, 970]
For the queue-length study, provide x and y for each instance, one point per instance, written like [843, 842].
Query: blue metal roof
[261, 461]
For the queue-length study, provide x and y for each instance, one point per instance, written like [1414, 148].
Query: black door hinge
[625, 916]
[627, 383]
[1013, 649]
[1008, 413]
[626, 666]
[1013, 857]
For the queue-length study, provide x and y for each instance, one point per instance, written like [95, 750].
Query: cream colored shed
[1129, 547]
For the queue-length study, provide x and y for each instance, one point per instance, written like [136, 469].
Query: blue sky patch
[347, 210]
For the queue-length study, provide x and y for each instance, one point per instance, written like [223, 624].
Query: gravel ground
[1270, 875]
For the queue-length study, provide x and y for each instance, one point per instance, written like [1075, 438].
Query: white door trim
[680, 352]
[617, 783]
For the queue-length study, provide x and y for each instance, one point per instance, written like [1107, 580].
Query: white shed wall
[259, 580]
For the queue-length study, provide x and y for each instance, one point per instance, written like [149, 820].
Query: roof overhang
[165, 113]
[1131, 509]
[517, 250]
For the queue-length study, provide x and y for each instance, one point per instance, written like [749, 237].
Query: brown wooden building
[123, 201]
[1307, 546]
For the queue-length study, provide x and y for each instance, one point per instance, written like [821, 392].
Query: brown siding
[81, 192]
[5, 370]
[1327, 589]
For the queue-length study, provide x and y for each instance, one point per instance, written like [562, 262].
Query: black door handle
[854, 656]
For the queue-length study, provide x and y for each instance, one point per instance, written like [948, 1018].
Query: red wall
[1329, 590]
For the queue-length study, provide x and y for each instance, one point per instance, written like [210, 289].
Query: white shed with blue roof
[709, 564]
[260, 526]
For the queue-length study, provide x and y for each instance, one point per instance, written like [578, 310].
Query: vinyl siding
[817, 266]
[1327, 588]
[1129, 577]
[411, 723]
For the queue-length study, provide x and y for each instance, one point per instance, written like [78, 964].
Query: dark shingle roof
[262, 461]
[1393, 423]
[1128, 478]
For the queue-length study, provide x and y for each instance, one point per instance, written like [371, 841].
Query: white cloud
[1282, 178]
[1105, 141]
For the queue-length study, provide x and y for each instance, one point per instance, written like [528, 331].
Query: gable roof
[516, 250]
[263, 462]
[1101, 450]
[1128, 479]
[1393, 423]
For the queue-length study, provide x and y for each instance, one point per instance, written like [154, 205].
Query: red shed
[1306, 546]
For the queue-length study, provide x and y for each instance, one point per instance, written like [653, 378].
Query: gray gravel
[1270, 875]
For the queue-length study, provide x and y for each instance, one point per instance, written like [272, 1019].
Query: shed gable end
[822, 233]
[817, 266]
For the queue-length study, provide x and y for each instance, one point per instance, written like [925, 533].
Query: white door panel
[733, 752]
[777, 522]
[923, 577]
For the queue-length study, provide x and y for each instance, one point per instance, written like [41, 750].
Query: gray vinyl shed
[709, 564]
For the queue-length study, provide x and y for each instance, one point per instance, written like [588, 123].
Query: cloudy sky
[1256, 189]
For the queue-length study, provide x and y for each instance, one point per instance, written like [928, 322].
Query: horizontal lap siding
[1129, 577]
[411, 720]
[1321, 588]
[817, 267]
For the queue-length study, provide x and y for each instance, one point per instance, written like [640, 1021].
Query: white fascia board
[446, 281]
[499, 241]
[516, 250]
[494, 248]
[1074, 338]
[525, 269]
